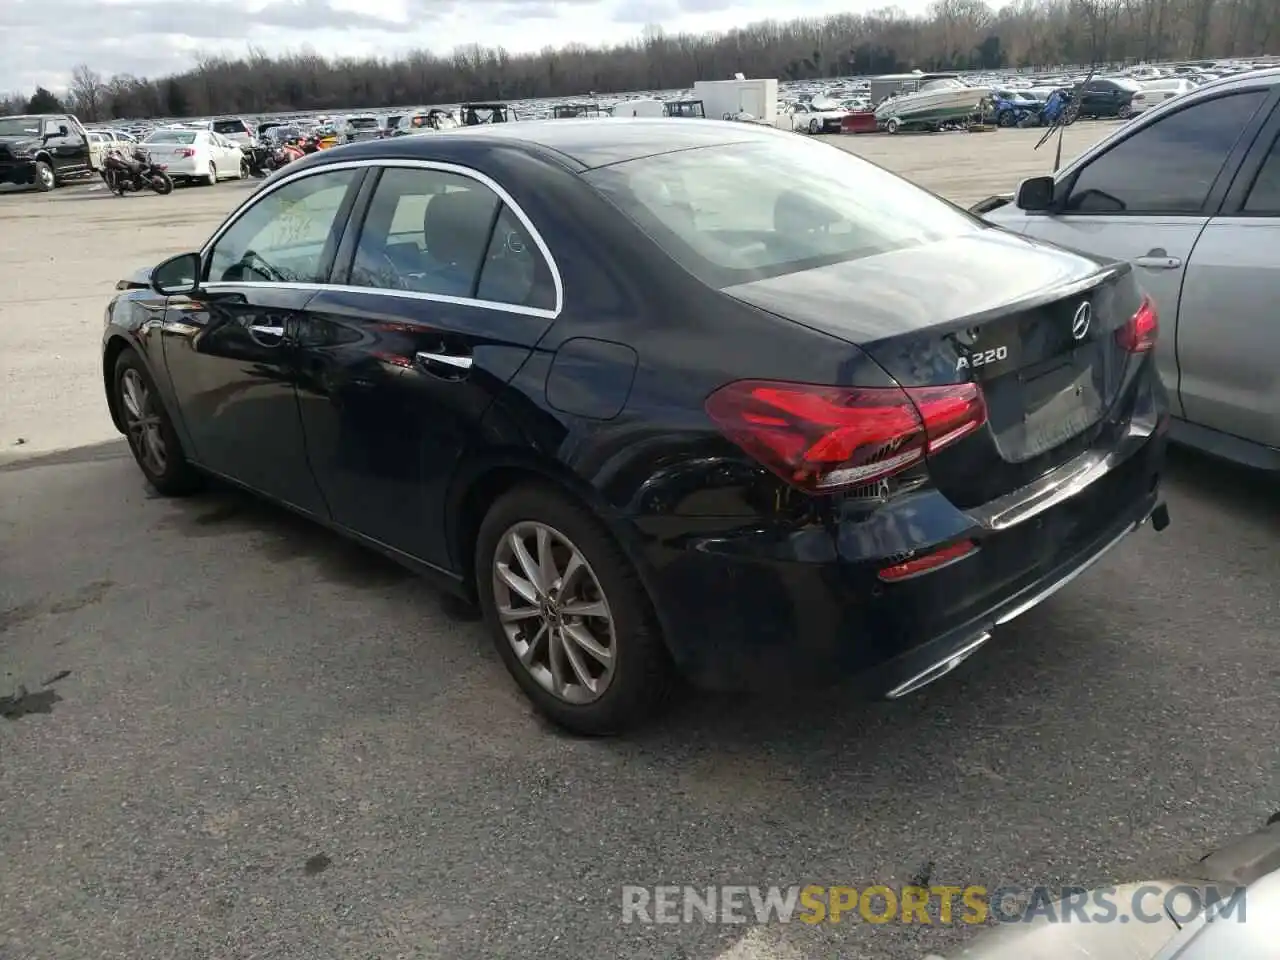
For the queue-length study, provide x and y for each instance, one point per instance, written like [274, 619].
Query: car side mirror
[178, 276]
[1035, 194]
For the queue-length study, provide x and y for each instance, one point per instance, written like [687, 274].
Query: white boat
[933, 102]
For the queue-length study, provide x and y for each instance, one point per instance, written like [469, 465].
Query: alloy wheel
[554, 612]
[142, 423]
[46, 176]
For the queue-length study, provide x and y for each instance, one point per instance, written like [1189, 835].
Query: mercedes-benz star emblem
[1080, 322]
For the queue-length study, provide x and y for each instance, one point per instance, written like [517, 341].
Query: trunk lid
[1032, 323]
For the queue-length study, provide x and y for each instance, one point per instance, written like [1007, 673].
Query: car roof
[1254, 78]
[586, 143]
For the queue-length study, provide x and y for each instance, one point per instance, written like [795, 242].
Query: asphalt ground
[227, 733]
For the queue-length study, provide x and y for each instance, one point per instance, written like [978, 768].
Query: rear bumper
[753, 608]
[181, 167]
[17, 171]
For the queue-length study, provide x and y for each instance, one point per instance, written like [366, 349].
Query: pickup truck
[43, 149]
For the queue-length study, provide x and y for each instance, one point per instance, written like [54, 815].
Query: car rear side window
[444, 233]
[286, 237]
[744, 211]
[1264, 195]
[1169, 166]
[172, 136]
[514, 270]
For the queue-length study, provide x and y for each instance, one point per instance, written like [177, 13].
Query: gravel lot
[243, 737]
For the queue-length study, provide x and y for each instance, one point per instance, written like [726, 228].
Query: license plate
[1060, 405]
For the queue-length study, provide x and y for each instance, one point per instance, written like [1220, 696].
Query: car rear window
[745, 211]
[225, 127]
[172, 136]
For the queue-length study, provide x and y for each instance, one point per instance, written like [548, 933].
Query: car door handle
[266, 331]
[456, 361]
[1152, 262]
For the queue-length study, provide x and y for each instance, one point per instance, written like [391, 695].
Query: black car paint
[751, 580]
[66, 154]
[1103, 97]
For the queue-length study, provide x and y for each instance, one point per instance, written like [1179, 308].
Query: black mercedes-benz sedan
[695, 398]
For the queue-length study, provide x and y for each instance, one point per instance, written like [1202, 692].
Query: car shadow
[1056, 753]
[283, 536]
[1244, 493]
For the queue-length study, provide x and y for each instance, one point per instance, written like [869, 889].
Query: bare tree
[86, 92]
[952, 35]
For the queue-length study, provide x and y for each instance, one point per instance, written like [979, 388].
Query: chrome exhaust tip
[939, 669]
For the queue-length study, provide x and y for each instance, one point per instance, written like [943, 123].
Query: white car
[100, 141]
[197, 155]
[810, 117]
[1158, 91]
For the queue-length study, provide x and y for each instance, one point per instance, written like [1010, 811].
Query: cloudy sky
[41, 40]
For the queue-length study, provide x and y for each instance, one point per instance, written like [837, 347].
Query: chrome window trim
[437, 165]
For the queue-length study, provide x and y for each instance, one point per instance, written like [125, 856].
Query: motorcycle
[1060, 109]
[132, 174]
[262, 160]
[292, 150]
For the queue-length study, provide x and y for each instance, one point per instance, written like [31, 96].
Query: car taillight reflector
[186, 152]
[1139, 334]
[927, 562]
[822, 438]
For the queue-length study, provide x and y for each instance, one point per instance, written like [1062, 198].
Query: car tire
[211, 178]
[146, 421]
[244, 168]
[46, 179]
[815, 126]
[638, 676]
[1125, 111]
[892, 125]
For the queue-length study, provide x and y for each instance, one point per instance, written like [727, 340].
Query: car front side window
[289, 236]
[1169, 166]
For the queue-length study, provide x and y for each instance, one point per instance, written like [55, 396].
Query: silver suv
[1189, 192]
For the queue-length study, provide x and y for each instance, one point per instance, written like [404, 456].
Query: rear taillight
[186, 152]
[1139, 334]
[824, 438]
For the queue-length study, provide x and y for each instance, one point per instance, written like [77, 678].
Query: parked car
[1158, 91]
[1015, 108]
[810, 117]
[102, 140]
[1190, 193]
[197, 155]
[45, 149]
[234, 129]
[1104, 97]
[499, 356]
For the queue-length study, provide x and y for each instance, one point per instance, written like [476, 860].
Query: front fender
[134, 320]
